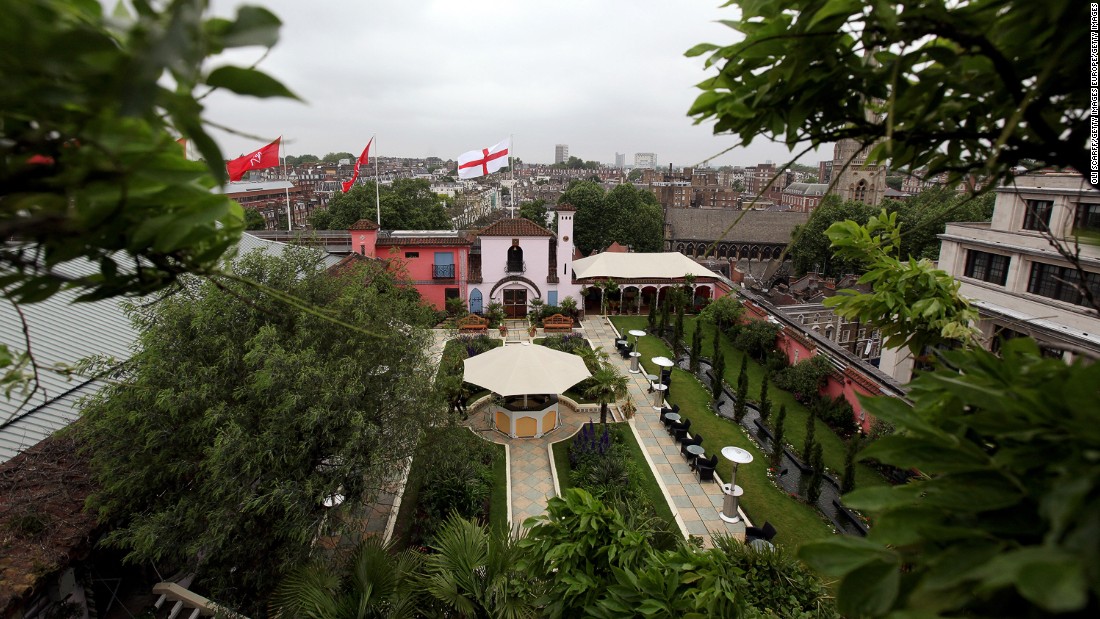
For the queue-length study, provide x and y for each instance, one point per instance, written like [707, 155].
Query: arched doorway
[475, 301]
[702, 296]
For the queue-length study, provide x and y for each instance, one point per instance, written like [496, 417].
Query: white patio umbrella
[525, 369]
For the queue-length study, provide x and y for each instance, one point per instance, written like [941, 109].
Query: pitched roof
[565, 207]
[43, 524]
[710, 224]
[515, 227]
[615, 248]
[667, 265]
[364, 224]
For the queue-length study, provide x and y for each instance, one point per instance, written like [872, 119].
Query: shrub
[805, 378]
[495, 313]
[460, 482]
[837, 414]
[757, 337]
[456, 307]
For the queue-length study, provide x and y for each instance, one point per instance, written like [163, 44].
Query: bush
[456, 307]
[757, 338]
[837, 414]
[805, 378]
[460, 482]
[567, 342]
[495, 313]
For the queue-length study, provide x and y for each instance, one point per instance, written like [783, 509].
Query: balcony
[515, 266]
[443, 271]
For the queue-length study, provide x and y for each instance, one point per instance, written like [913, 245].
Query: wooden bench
[473, 323]
[557, 323]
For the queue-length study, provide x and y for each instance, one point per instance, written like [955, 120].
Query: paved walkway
[696, 505]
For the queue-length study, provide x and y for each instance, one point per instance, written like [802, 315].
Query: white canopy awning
[668, 265]
[525, 369]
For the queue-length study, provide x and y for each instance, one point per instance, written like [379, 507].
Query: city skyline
[604, 79]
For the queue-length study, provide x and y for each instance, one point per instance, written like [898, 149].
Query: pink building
[435, 262]
[512, 262]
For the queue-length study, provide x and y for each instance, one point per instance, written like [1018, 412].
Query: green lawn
[652, 490]
[763, 501]
[794, 430]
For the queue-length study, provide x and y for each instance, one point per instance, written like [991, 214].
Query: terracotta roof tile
[364, 224]
[565, 207]
[515, 227]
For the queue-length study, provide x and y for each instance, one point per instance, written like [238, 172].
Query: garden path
[694, 504]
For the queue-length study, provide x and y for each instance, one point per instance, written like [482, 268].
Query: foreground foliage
[969, 87]
[238, 417]
[1007, 523]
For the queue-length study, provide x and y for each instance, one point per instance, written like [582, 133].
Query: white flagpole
[512, 172]
[286, 178]
[377, 201]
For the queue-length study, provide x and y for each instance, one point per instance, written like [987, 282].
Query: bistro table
[696, 452]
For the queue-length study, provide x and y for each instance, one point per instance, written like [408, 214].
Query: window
[1060, 283]
[412, 254]
[552, 297]
[1087, 219]
[443, 266]
[1038, 214]
[992, 268]
[450, 293]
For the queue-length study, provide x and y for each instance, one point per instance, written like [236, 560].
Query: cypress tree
[777, 444]
[719, 368]
[807, 448]
[662, 323]
[678, 333]
[739, 407]
[651, 319]
[696, 346]
[848, 483]
[765, 404]
[717, 339]
[813, 493]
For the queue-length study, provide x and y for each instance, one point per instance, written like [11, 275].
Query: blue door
[475, 301]
[552, 297]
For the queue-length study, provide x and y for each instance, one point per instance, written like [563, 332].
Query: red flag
[266, 157]
[358, 162]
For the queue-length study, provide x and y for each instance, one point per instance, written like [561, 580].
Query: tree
[92, 167]
[808, 445]
[719, 368]
[475, 572]
[913, 304]
[407, 204]
[336, 157]
[626, 215]
[635, 175]
[696, 346]
[535, 211]
[925, 216]
[809, 248]
[253, 411]
[765, 404]
[375, 582]
[776, 455]
[848, 482]
[607, 386]
[651, 318]
[253, 220]
[724, 311]
[813, 491]
[740, 406]
[975, 76]
[291, 160]
[757, 338]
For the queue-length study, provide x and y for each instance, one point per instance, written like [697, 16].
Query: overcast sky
[440, 77]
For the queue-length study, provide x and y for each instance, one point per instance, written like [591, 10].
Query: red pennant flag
[358, 162]
[266, 157]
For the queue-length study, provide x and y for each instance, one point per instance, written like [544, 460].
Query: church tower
[855, 179]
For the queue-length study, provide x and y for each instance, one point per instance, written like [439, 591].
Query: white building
[1016, 278]
[645, 160]
[561, 153]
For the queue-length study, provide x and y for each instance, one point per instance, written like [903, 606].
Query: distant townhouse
[804, 197]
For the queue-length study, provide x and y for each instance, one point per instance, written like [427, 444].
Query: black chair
[664, 411]
[766, 533]
[624, 353]
[694, 439]
[705, 468]
[681, 433]
[676, 408]
[675, 425]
